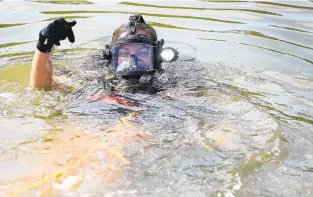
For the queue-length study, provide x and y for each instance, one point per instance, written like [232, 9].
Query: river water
[234, 117]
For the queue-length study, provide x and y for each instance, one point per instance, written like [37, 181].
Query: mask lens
[131, 57]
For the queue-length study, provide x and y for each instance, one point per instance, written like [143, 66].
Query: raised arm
[50, 35]
[41, 72]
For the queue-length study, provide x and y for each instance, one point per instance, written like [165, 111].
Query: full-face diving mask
[135, 54]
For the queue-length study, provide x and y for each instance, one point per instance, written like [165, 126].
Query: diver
[133, 53]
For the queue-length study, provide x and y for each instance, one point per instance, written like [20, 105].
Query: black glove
[55, 31]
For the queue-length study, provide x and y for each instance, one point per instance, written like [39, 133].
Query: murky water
[234, 117]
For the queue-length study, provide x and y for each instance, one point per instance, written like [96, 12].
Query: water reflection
[12, 44]
[11, 25]
[63, 1]
[272, 50]
[195, 8]
[290, 28]
[262, 2]
[215, 129]
[142, 13]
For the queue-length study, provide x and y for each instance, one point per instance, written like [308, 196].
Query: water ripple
[142, 13]
[197, 8]
[262, 2]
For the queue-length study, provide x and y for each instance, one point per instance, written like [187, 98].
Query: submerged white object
[67, 183]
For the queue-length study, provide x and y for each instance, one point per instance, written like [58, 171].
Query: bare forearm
[41, 72]
[49, 36]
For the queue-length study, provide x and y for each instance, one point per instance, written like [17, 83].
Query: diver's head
[141, 29]
[134, 49]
